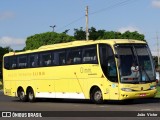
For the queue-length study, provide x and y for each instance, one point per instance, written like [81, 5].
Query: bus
[114, 69]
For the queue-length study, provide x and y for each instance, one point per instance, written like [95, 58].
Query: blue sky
[22, 18]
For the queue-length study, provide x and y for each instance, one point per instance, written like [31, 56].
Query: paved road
[13, 104]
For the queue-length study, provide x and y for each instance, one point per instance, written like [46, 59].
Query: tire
[21, 95]
[30, 95]
[96, 96]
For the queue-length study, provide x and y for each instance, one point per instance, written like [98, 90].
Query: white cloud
[129, 28]
[14, 43]
[156, 3]
[6, 15]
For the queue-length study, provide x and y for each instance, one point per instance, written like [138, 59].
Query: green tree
[133, 35]
[79, 34]
[4, 51]
[109, 35]
[94, 34]
[37, 40]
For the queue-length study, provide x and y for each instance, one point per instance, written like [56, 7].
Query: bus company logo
[6, 114]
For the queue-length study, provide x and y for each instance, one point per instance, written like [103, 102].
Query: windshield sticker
[113, 85]
[143, 78]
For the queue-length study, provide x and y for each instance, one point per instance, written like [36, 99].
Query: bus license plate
[143, 94]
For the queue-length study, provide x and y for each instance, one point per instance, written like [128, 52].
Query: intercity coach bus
[115, 69]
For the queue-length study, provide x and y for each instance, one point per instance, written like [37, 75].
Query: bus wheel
[31, 97]
[96, 96]
[21, 95]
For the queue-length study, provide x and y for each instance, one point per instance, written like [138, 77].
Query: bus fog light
[126, 89]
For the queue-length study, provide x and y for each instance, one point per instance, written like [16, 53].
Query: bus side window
[55, 58]
[13, 62]
[90, 55]
[77, 58]
[45, 59]
[74, 56]
[69, 57]
[22, 61]
[62, 58]
[33, 60]
[6, 63]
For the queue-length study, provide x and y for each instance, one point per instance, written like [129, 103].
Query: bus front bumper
[124, 95]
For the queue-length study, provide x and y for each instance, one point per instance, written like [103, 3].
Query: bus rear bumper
[137, 94]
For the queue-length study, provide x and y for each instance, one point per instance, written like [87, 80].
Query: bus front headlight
[126, 89]
[153, 87]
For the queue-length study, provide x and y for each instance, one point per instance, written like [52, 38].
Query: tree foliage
[37, 40]
[94, 34]
[79, 34]
[4, 51]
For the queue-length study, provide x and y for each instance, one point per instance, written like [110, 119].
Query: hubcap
[97, 96]
[30, 95]
[21, 95]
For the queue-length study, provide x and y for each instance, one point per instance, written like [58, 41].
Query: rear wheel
[31, 96]
[21, 95]
[96, 96]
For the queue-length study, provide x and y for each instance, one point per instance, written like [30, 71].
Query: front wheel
[96, 96]
[31, 96]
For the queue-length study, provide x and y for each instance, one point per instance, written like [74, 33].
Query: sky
[20, 19]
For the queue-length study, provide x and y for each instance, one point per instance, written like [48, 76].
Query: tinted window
[22, 61]
[6, 63]
[74, 56]
[62, 58]
[33, 60]
[108, 64]
[45, 59]
[13, 62]
[90, 54]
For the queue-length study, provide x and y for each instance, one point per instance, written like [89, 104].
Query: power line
[113, 6]
[122, 3]
[72, 22]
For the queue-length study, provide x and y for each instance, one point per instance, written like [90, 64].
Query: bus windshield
[135, 64]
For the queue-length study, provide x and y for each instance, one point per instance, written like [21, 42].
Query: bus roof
[79, 43]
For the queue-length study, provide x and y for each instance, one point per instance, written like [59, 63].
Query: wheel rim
[31, 96]
[97, 96]
[21, 95]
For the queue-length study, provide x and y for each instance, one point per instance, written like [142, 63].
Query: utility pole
[157, 47]
[87, 33]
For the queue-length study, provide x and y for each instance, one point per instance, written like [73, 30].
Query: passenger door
[108, 66]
